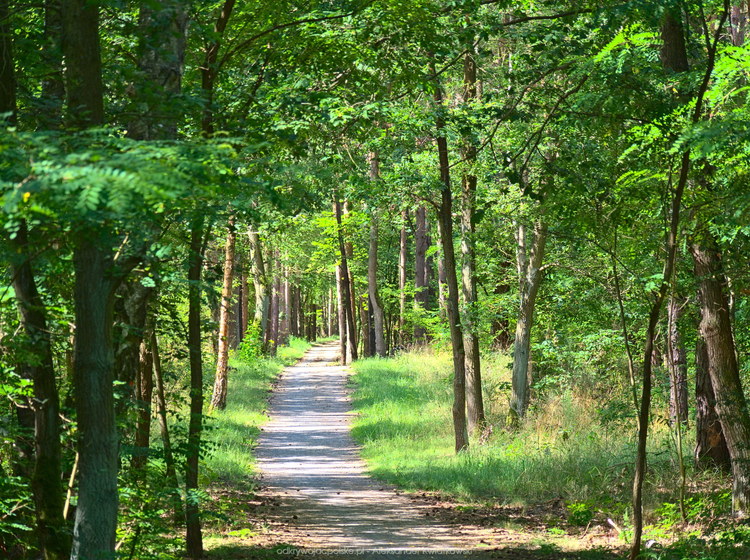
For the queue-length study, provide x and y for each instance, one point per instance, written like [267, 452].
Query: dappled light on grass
[562, 451]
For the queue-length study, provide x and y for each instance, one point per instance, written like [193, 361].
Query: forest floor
[318, 500]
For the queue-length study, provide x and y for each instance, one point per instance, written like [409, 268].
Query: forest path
[311, 470]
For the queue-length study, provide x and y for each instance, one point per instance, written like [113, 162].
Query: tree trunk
[260, 282]
[716, 330]
[474, 401]
[677, 363]
[144, 394]
[219, 397]
[161, 410]
[403, 258]
[162, 30]
[341, 313]
[7, 65]
[372, 270]
[345, 283]
[711, 449]
[53, 86]
[83, 65]
[275, 306]
[445, 217]
[353, 347]
[96, 513]
[194, 536]
[421, 294]
[530, 278]
[52, 534]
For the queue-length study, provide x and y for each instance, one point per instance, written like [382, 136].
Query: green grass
[233, 432]
[563, 450]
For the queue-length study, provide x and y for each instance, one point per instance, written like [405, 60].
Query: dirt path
[311, 467]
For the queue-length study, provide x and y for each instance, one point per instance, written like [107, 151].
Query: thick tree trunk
[83, 65]
[194, 536]
[52, 534]
[677, 363]
[96, 513]
[445, 217]
[529, 262]
[221, 379]
[345, 283]
[711, 449]
[716, 330]
[162, 27]
[474, 401]
[7, 65]
[53, 86]
[421, 293]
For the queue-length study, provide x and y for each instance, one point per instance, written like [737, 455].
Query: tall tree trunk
[274, 320]
[144, 395]
[219, 397]
[711, 449]
[345, 283]
[474, 401]
[7, 65]
[372, 269]
[421, 293]
[162, 28]
[716, 330]
[93, 292]
[674, 59]
[529, 261]
[445, 217]
[83, 65]
[353, 347]
[194, 535]
[260, 282]
[52, 534]
[677, 358]
[341, 313]
[403, 258]
[53, 86]
[161, 411]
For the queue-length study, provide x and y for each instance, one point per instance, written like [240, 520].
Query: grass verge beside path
[232, 434]
[564, 473]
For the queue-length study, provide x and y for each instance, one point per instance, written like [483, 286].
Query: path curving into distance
[311, 466]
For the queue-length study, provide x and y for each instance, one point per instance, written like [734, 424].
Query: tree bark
[93, 292]
[221, 381]
[161, 411]
[421, 294]
[7, 65]
[194, 536]
[345, 283]
[474, 401]
[260, 282]
[711, 449]
[144, 395]
[678, 390]
[372, 270]
[162, 30]
[83, 65]
[716, 330]
[341, 313]
[51, 530]
[445, 217]
[529, 262]
[403, 258]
